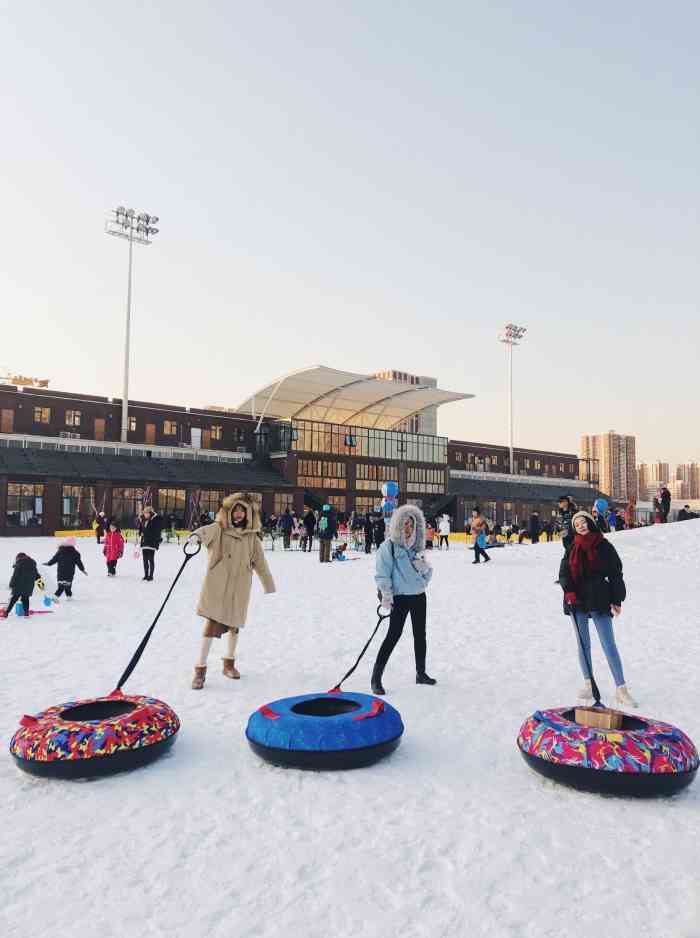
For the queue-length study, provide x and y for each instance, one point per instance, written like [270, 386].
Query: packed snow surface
[453, 835]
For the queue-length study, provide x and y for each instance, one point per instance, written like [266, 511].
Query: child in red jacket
[114, 548]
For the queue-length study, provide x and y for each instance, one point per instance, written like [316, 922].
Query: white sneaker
[623, 697]
[586, 692]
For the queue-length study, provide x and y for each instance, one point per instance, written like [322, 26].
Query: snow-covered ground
[453, 835]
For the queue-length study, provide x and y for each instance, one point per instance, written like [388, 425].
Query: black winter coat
[310, 522]
[331, 526]
[286, 523]
[379, 531]
[601, 588]
[24, 576]
[151, 532]
[565, 516]
[535, 527]
[67, 559]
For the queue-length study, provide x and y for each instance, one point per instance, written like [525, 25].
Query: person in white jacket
[444, 532]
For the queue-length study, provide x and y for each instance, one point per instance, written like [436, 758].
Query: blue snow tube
[325, 731]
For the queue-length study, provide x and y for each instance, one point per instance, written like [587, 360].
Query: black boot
[377, 686]
[423, 678]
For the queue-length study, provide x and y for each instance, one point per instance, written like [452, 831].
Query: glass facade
[309, 436]
[127, 504]
[283, 500]
[209, 502]
[25, 505]
[320, 474]
[367, 503]
[172, 502]
[77, 503]
[429, 481]
[370, 476]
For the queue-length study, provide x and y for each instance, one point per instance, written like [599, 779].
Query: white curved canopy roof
[332, 396]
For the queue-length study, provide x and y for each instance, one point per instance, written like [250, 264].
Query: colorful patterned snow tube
[644, 759]
[99, 736]
[325, 731]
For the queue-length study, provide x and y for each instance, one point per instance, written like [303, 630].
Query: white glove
[387, 601]
[421, 565]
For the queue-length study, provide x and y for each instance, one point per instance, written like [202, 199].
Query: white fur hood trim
[397, 522]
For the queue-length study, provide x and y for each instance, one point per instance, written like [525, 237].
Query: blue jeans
[604, 626]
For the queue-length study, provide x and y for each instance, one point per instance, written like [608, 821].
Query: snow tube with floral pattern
[94, 737]
[643, 759]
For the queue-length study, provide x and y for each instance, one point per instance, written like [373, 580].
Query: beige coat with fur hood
[233, 555]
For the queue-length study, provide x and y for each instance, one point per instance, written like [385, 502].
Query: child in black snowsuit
[67, 558]
[24, 576]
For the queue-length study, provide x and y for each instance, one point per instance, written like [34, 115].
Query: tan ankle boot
[199, 677]
[229, 668]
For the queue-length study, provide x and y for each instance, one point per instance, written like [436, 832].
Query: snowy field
[453, 835]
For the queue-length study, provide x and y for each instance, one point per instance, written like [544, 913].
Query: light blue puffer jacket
[396, 573]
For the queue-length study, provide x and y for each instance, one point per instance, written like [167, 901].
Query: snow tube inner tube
[644, 758]
[325, 731]
[94, 737]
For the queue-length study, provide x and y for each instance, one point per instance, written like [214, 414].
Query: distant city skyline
[340, 184]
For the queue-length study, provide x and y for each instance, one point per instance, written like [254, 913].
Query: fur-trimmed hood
[397, 521]
[247, 500]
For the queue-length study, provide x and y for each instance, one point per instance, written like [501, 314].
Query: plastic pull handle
[28, 721]
[376, 709]
[269, 714]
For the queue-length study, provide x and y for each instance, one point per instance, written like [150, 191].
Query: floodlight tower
[125, 223]
[511, 336]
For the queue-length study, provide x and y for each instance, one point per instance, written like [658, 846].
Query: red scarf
[584, 555]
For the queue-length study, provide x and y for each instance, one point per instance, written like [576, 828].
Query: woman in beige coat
[235, 550]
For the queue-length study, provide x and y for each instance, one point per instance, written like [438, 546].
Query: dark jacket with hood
[67, 558]
[601, 587]
[24, 576]
[379, 531]
[310, 522]
[151, 531]
[327, 531]
[565, 516]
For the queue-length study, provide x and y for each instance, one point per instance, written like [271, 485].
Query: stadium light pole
[511, 336]
[125, 223]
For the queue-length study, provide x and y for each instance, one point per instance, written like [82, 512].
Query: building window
[367, 503]
[132, 424]
[42, 415]
[370, 476]
[561, 467]
[169, 428]
[25, 505]
[282, 501]
[538, 464]
[72, 418]
[217, 432]
[172, 502]
[238, 435]
[77, 505]
[458, 457]
[313, 437]
[428, 481]
[127, 505]
[338, 502]
[206, 502]
[319, 474]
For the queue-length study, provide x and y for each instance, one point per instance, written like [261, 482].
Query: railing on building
[139, 450]
[557, 481]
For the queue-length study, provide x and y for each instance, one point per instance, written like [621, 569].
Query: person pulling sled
[235, 551]
[402, 575]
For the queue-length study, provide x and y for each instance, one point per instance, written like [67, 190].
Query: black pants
[478, 551]
[324, 553]
[112, 567]
[149, 563]
[368, 544]
[66, 588]
[13, 600]
[444, 539]
[287, 539]
[416, 605]
[309, 540]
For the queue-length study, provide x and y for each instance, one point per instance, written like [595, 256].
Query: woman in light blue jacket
[402, 575]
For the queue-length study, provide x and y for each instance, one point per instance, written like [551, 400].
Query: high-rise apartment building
[689, 472]
[426, 420]
[616, 455]
[651, 477]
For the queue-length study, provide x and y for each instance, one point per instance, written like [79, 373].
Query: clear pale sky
[366, 185]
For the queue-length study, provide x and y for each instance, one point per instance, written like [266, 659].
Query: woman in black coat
[151, 528]
[591, 576]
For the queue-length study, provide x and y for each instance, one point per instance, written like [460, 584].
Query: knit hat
[68, 542]
[592, 526]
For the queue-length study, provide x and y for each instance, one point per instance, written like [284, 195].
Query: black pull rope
[144, 641]
[594, 686]
[380, 619]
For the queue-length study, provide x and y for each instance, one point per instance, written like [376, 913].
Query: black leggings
[13, 600]
[66, 588]
[478, 551]
[444, 539]
[112, 567]
[416, 605]
[149, 563]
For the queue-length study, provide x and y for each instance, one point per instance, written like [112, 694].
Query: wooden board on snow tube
[325, 731]
[644, 759]
[94, 738]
